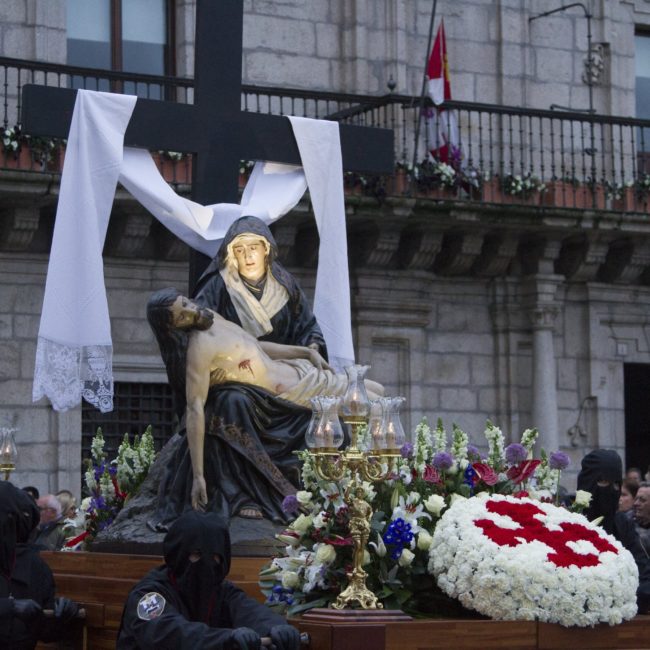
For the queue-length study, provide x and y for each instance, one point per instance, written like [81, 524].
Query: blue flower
[406, 450]
[443, 460]
[516, 453]
[290, 504]
[473, 453]
[468, 479]
[558, 460]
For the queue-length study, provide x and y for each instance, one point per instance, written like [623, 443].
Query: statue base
[130, 534]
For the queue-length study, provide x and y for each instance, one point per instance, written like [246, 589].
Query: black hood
[198, 582]
[602, 465]
[19, 516]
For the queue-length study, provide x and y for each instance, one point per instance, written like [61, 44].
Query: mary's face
[250, 255]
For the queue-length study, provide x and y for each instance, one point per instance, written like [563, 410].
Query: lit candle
[390, 436]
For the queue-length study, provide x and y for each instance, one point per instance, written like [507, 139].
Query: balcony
[505, 155]
[526, 191]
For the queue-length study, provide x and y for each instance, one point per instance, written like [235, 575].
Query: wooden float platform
[101, 582]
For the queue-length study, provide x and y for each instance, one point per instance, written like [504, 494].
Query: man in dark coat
[187, 604]
[601, 475]
[26, 582]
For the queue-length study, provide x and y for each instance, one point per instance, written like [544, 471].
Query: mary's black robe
[250, 434]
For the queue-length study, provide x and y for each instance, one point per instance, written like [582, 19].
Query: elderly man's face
[250, 254]
[642, 507]
[48, 514]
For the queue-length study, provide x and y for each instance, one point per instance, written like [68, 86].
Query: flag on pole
[444, 140]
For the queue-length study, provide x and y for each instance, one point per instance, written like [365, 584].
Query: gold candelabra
[373, 465]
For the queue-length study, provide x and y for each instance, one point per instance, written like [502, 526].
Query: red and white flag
[444, 141]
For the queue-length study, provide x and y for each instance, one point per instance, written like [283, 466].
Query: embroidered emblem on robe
[151, 605]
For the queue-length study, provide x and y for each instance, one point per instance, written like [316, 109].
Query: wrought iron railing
[500, 154]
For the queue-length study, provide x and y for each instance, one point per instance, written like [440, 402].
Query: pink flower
[431, 474]
[486, 473]
[524, 470]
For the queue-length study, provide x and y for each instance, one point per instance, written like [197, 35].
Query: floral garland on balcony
[522, 185]
[432, 475]
[519, 559]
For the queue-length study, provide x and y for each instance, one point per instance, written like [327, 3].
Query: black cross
[214, 128]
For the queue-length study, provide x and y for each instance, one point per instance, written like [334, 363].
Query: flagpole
[424, 88]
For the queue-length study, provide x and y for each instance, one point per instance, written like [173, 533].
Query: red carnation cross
[533, 529]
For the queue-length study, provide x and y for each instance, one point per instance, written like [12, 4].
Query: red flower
[431, 474]
[75, 540]
[486, 473]
[337, 540]
[524, 470]
[522, 494]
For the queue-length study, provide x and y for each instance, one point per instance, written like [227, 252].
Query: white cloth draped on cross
[74, 350]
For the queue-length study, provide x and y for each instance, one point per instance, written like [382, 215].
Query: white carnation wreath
[518, 559]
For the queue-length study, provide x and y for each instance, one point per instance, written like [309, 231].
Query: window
[642, 74]
[135, 407]
[132, 36]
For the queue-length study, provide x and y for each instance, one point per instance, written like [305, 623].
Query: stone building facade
[470, 311]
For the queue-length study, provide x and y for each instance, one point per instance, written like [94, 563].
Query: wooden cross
[214, 128]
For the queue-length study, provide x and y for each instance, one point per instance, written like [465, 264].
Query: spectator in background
[32, 491]
[634, 474]
[642, 515]
[71, 525]
[68, 504]
[26, 582]
[51, 534]
[626, 500]
[601, 474]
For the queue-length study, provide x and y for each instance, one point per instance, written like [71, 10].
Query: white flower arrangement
[431, 476]
[523, 185]
[519, 559]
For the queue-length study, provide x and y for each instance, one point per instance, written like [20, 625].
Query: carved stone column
[542, 309]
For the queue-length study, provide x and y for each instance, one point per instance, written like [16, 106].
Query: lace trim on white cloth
[63, 372]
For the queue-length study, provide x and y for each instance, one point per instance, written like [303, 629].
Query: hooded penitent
[205, 534]
[602, 465]
[18, 518]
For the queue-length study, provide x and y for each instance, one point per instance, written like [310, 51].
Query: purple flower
[558, 460]
[406, 450]
[443, 460]
[112, 470]
[516, 453]
[473, 453]
[290, 504]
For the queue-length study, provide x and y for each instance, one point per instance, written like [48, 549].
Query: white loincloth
[312, 382]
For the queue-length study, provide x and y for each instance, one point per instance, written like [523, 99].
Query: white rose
[583, 498]
[319, 520]
[303, 497]
[435, 504]
[302, 523]
[326, 554]
[406, 558]
[456, 497]
[290, 579]
[424, 540]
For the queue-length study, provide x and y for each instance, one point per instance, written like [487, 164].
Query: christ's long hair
[171, 340]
